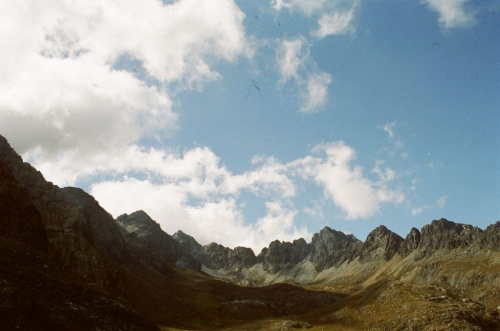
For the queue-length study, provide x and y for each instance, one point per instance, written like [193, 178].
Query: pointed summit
[331, 248]
[380, 244]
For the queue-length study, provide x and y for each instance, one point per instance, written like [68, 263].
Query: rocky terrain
[67, 264]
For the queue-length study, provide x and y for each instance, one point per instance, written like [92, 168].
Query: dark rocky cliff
[19, 218]
[331, 248]
[283, 255]
[380, 244]
[150, 243]
[78, 229]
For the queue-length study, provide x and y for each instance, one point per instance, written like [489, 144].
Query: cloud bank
[63, 85]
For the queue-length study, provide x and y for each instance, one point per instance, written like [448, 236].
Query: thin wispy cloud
[295, 64]
[336, 22]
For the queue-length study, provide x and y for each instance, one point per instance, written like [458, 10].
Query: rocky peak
[282, 255]
[331, 248]
[138, 223]
[380, 244]
[444, 234]
[216, 256]
[188, 242]
[153, 245]
[411, 242]
[246, 255]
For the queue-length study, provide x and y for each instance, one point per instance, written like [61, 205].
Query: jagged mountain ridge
[331, 248]
[76, 243]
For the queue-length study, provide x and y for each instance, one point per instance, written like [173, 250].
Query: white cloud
[317, 93]
[291, 56]
[335, 17]
[195, 193]
[336, 22]
[356, 195]
[294, 63]
[215, 220]
[63, 91]
[307, 7]
[418, 210]
[278, 223]
[452, 13]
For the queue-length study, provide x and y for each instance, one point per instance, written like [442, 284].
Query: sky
[241, 122]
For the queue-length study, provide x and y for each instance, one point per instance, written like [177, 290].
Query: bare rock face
[152, 245]
[215, 256]
[99, 227]
[243, 256]
[188, 242]
[19, 218]
[331, 248]
[380, 244]
[411, 242]
[283, 255]
[491, 236]
[444, 234]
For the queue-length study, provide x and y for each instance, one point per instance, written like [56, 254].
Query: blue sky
[242, 122]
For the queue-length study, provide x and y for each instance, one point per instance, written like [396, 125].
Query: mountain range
[67, 264]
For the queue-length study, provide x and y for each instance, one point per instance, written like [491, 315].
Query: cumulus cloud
[194, 192]
[64, 91]
[217, 220]
[295, 64]
[356, 195]
[452, 13]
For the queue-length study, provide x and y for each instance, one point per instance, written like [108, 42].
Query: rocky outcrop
[443, 234]
[330, 248]
[283, 255]
[380, 244]
[98, 226]
[152, 245]
[215, 256]
[411, 242]
[188, 242]
[491, 236]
